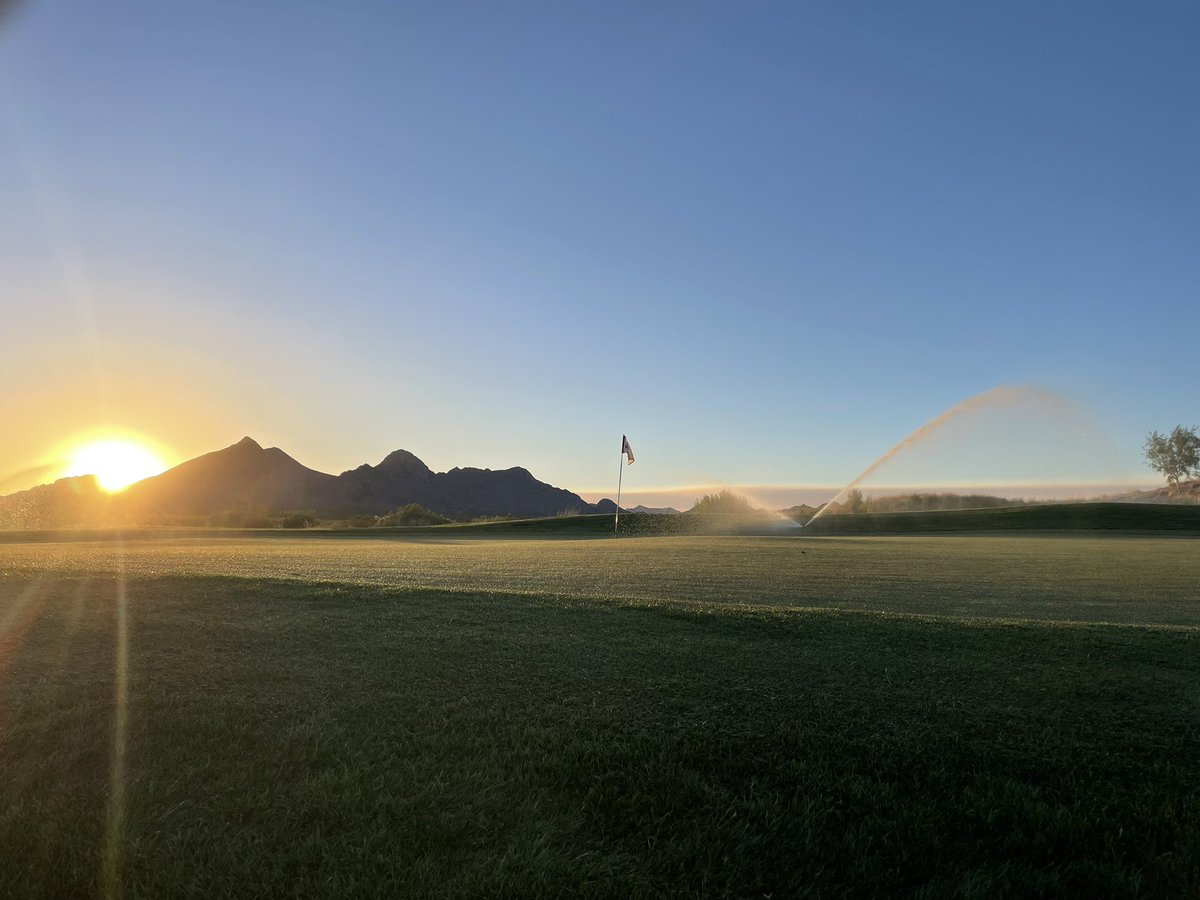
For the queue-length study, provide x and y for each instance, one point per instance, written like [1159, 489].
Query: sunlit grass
[356, 736]
[1115, 579]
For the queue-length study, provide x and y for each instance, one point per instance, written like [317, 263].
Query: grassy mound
[1042, 517]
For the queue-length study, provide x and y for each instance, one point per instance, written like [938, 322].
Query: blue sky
[766, 241]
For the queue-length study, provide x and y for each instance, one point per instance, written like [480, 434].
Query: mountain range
[246, 477]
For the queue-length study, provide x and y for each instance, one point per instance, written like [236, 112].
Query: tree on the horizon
[1175, 455]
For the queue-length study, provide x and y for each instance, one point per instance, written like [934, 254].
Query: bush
[298, 519]
[413, 514]
[726, 503]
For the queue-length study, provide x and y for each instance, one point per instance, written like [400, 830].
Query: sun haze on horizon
[116, 462]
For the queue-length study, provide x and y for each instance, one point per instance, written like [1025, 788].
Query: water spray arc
[1003, 395]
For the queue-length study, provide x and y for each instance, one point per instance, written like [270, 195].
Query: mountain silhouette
[68, 502]
[241, 476]
[247, 477]
[460, 493]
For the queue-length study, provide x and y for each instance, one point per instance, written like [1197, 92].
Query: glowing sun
[115, 463]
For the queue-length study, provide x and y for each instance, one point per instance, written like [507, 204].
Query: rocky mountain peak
[402, 459]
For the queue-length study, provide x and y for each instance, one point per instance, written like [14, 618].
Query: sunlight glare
[115, 463]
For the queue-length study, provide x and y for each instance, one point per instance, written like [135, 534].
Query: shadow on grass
[287, 738]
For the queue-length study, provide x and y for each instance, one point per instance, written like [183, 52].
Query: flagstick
[620, 473]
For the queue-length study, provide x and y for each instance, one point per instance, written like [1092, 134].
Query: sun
[116, 463]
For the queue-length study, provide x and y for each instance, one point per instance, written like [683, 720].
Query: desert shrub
[725, 503]
[305, 519]
[413, 514]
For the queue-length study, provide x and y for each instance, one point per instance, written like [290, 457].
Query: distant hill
[608, 507]
[248, 478]
[1184, 492]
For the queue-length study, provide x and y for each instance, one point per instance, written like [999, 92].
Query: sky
[766, 241]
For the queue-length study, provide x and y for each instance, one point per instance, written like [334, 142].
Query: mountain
[68, 502]
[247, 482]
[244, 476]
[608, 507]
[460, 493]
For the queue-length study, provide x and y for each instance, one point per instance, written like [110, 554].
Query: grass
[1039, 517]
[1107, 578]
[1150, 517]
[1057, 517]
[679, 716]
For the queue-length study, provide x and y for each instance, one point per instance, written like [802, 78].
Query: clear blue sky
[766, 241]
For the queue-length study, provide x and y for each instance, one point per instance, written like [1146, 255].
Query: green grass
[1040, 517]
[1106, 578]
[1060, 517]
[1149, 517]
[676, 716]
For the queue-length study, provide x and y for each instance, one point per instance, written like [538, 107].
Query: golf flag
[627, 452]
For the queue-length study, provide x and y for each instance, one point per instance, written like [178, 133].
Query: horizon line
[784, 496]
[817, 486]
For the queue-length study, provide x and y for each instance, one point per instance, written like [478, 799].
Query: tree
[1175, 455]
